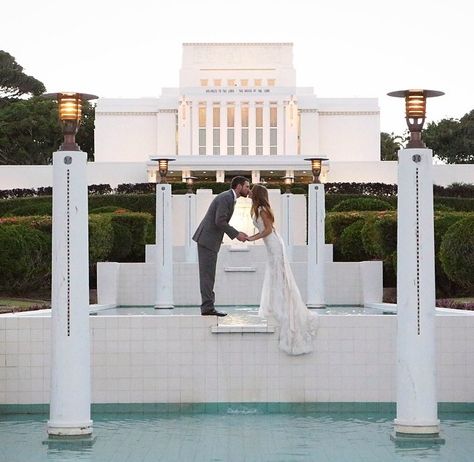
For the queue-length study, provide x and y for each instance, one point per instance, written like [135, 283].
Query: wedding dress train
[282, 299]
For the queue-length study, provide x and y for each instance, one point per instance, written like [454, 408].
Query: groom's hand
[242, 237]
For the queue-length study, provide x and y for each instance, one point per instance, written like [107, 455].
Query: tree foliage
[29, 128]
[29, 132]
[452, 140]
[390, 144]
[14, 82]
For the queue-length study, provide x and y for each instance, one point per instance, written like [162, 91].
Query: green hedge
[442, 222]
[457, 252]
[147, 202]
[25, 258]
[377, 232]
[362, 203]
[25, 246]
[351, 246]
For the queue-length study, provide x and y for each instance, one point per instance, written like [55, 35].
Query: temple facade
[237, 109]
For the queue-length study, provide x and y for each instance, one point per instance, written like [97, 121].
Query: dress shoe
[214, 313]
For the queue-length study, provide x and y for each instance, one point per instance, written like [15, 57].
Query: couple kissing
[280, 295]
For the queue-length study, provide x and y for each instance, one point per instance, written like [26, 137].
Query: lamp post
[415, 112]
[70, 397]
[164, 237]
[190, 184]
[316, 166]
[288, 180]
[316, 256]
[416, 354]
[70, 112]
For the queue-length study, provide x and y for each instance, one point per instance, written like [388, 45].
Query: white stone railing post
[190, 247]
[70, 399]
[287, 208]
[164, 247]
[316, 258]
[416, 361]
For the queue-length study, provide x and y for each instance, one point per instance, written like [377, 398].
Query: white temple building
[237, 109]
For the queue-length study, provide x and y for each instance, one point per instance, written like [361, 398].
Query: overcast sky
[342, 48]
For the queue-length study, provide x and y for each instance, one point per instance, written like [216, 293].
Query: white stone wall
[114, 173]
[178, 359]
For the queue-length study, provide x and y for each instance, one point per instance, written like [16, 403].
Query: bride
[280, 295]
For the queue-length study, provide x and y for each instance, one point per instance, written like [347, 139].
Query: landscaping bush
[457, 252]
[100, 238]
[108, 209]
[442, 222]
[336, 223]
[28, 209]
[136, 225]
[134, 202]
[350, 244]
[99, 189]
[362, 203]
[25, 259]
[379, 235]
[36, 203]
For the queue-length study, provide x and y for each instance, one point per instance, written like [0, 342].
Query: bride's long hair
[260, 199]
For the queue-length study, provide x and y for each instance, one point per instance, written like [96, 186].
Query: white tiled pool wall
[239, 279]
[178, 359]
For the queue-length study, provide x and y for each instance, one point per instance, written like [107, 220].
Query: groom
[209, 236]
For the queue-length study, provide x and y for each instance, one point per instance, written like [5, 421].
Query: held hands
[242, 237]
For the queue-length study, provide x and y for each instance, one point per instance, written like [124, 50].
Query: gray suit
[208, 236]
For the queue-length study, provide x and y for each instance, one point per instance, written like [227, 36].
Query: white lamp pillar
[164, 247]
[315, 273]
[416, 360]
[190, 247]
[70, 399]
[287, 211]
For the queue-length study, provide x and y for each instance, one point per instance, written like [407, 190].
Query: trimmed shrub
[379, 235]
[134, 227]
[442, 208]
[108, 209]
[134, 202]
[36, 203]
[332, 200]
[350, 243]
[100, 238]
[362, 203]
[442, 222]
[99, 189]
[457, 252]
[42, 208]
[25, 259]
[336, 223]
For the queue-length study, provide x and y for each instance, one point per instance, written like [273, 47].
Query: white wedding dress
[281, 298]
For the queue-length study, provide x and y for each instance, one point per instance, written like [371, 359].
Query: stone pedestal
[416, 361]
[70, 339]
[164, 247]
[316, 215]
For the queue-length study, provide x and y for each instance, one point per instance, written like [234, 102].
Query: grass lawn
[12, 305]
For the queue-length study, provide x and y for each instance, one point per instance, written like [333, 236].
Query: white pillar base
[69, 428]
[427, 428]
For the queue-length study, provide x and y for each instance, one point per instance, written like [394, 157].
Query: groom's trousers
[207, 276]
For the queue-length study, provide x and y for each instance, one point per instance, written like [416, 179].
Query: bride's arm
[268, 227]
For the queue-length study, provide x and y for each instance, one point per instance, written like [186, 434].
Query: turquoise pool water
[238, 434]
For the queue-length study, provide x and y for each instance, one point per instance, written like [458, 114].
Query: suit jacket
[215, 223]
